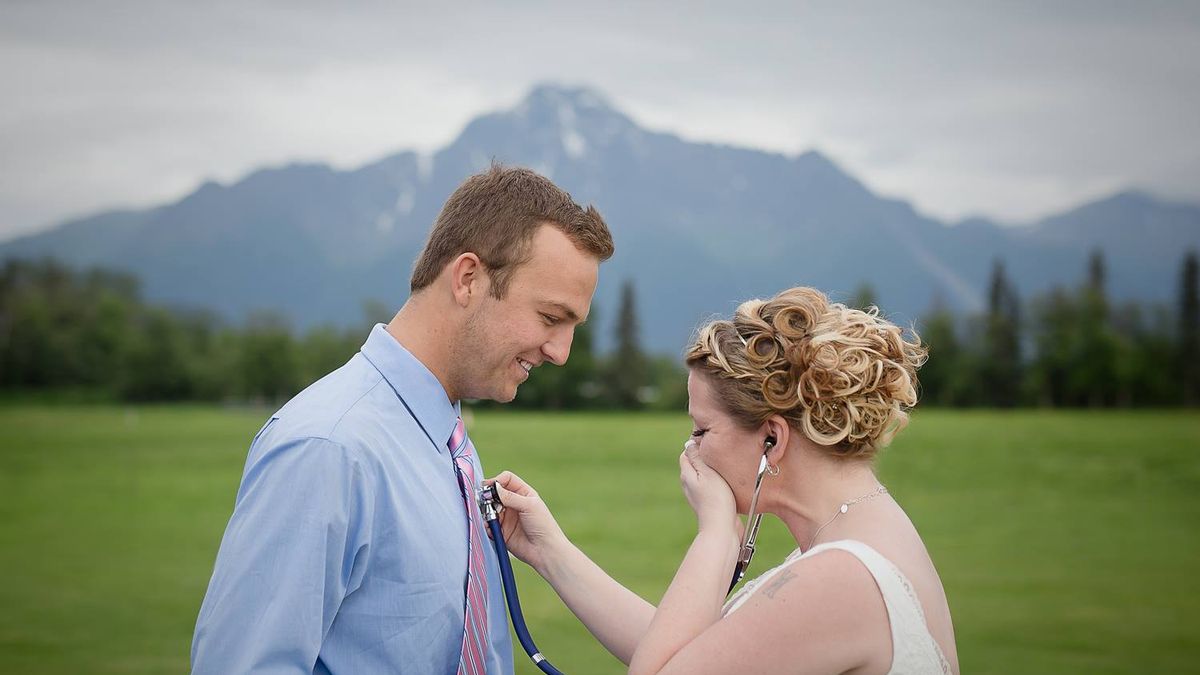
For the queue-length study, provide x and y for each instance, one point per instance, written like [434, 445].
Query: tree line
[69, 334]
[89, 334]
[1068, 347]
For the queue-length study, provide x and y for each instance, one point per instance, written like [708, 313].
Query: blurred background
[204, 208]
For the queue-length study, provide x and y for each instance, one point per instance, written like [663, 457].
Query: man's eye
[550, 319]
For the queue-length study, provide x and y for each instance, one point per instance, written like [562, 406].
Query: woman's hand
[530, 531]
[707, 492]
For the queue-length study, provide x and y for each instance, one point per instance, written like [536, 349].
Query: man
[355, 544]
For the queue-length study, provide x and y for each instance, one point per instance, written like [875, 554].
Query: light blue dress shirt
[347, 549]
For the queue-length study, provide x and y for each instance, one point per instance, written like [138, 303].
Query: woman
[817, 388]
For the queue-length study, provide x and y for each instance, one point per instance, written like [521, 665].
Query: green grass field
[1067, 541]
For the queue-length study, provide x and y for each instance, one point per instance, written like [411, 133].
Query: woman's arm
[694, 599]
[820, 615]
[692, 603]
[615, 615]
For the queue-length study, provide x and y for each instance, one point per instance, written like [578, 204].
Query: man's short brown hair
[495, 214]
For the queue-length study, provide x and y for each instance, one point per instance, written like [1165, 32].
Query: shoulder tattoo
[777, 583]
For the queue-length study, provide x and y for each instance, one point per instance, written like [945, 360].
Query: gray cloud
[962, 108]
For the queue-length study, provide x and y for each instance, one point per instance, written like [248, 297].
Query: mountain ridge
[698, 227]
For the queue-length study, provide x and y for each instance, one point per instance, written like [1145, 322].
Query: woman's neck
[811, 488]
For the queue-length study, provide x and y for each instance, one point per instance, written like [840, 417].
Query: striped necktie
[475, 633]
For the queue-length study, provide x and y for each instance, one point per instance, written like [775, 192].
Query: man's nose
[558, 348]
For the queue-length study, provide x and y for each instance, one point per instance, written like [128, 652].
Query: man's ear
[468, 278]
[777, 428]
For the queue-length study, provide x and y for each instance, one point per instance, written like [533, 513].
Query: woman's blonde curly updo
[843, 377]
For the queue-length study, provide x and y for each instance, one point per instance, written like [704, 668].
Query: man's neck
[418, 330]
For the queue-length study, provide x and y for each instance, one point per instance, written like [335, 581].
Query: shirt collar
[419, 389]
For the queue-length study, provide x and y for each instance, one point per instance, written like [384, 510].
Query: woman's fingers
[509, 520]
[687, 470]
[513, 500]
[692, 450]
[511, 482]
[690, 460]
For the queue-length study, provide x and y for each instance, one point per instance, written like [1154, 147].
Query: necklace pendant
[845, 508]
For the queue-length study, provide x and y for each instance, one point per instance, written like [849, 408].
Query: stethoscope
[490, 505]
[752, 517]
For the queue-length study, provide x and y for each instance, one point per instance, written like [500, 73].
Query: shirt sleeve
[296, 545]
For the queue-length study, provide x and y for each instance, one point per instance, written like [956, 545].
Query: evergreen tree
[1145, 362]
[1001, 368]
[942, 375]
[269, 362]
[158, 366]
[942, 379]
[627, 371]
[63, 329]
[1189, 329]
[325, 349]
[1093, 372]
[1054, 321]
[1097, 273]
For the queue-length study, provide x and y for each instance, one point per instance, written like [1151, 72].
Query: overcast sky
[1009, 110]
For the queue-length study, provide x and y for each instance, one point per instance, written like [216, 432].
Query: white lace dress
[914, 651]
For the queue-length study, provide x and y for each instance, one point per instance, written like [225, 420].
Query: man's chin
[506, 395]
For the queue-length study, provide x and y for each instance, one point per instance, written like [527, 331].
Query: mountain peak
[1145, 199]
[553, 95]
[552, 123]
[1128, 205]
[571, 110]
[1129, 197]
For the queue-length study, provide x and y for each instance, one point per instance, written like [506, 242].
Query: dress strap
[913, 648]
[897, 591]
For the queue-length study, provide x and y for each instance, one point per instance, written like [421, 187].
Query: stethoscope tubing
[514, 602]
[753, 521]
[745, 553]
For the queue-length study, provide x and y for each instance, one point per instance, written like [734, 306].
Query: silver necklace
[881, 490]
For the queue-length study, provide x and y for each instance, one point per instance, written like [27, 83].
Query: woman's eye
[697, 433]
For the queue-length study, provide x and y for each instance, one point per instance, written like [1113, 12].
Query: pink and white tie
[475, 634]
